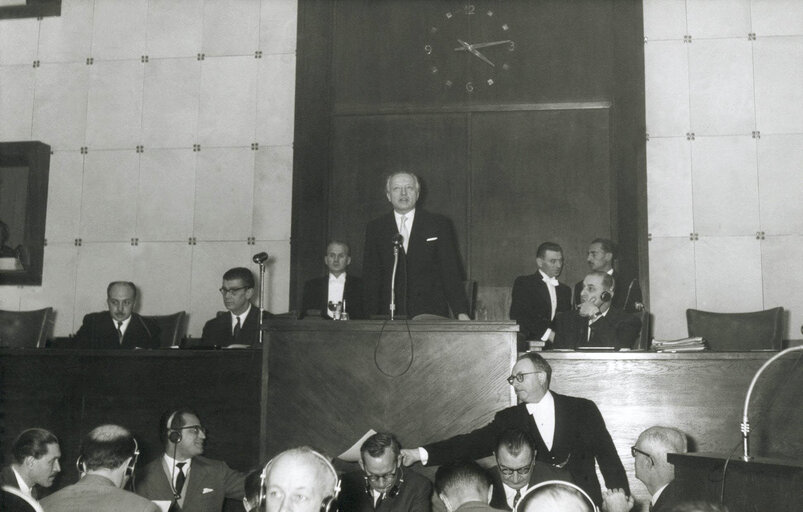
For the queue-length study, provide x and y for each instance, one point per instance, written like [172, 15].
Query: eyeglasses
[634, 451]
[196, 428]
[519, 377]
[386, 476]
[231, 291]
[524, 470]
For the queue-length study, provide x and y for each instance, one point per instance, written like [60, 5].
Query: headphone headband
[546, 483]
[327, 505]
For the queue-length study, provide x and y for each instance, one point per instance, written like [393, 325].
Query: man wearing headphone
[108, 456]
[594, 323]
[296, 480]
[184, 478]
[383, 485]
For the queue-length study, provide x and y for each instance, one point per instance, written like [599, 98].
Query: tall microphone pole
[260, 259]
[745, 423]
[398, 239]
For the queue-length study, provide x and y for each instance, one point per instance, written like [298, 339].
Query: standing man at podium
[428, 277]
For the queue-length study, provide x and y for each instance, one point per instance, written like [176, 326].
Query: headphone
[605, 296]
[394, 491]
[80, 465]
[328, 504]
[173, 435]
[522, 504]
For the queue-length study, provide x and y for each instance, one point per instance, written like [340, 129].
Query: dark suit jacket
[615, 329]
[94, 493]
[670, 497]
[208, 484]
[531, 307]
[7, 477]
[316, 296]
[217, 331]
[99, 331]
[580, 437]
[10, 502]
[621, 300]
[541, 472]
[413, 496]
[429, 277]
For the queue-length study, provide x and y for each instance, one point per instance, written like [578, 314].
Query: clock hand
[474, 52]
[484, 45]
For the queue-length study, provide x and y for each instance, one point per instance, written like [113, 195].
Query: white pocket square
[432, 239]
[207, 490]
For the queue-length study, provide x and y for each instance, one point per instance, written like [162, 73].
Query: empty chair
[172, 328]
[25, 329]
[737, 331]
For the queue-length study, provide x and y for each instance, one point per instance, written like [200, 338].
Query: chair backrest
[643, 340]
[172, 328]
[25, 329]
[471, 294]
[737, 331]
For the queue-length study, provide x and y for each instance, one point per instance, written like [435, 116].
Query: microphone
[260, 258]
[398, 240]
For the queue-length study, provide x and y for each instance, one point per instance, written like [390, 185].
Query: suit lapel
[543, 291]
[193, 487]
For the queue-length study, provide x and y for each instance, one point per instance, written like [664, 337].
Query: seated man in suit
[517, 470]
[601, 257]
[595, 323]
[299, 479]
[464, 486]
[240, 324]
[383, 485]
[582, 441]
[538, 298]
[181, 475]
[654, 471]
[36, 455]
[337, 286]
[108, 456]
[120, 327]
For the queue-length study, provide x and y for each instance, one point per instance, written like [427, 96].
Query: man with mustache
[120, 327]
[36, 462]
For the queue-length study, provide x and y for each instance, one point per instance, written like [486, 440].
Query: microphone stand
[393, 279]
[261, 293]
[745, 426]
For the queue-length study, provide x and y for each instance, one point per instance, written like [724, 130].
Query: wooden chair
[734, 332]
[172, 328]
[25, 329]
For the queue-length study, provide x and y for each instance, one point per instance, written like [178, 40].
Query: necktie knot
[516, 497]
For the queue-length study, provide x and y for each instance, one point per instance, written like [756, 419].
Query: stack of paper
[694, 344]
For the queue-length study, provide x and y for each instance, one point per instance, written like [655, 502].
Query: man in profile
[299, 479]
[464, 486]
[517, 468]
[383, 485]
[602, 253]
[582, 441]
[428, 279]
[337, 286]
[36, 462]
[595, 323]
[654, 471]
[538, 298]
[182, 475]
[239, 324]
[119, 327]
[108, 456]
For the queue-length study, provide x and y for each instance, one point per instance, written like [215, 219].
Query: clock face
[469, 48]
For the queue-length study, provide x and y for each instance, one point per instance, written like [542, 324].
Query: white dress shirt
[408, 224]
[28, 491]
[337, 285]
[553, 299]
[172, 466]
[242, 316]
[544, 415]
[123, 328]
[510, 493]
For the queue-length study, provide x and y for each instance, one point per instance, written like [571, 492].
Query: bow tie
[551, 280]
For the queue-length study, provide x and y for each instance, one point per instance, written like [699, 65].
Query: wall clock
[469, 48]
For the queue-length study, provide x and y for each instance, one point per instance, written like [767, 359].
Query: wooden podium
[329, 382]
[760, 484]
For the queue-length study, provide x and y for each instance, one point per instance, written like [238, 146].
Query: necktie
[379, 501]
[180, 479]
[405, 232]
[120, 332]
[236, 332]
[516, 497]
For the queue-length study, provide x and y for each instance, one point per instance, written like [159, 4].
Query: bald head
[300, 472]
